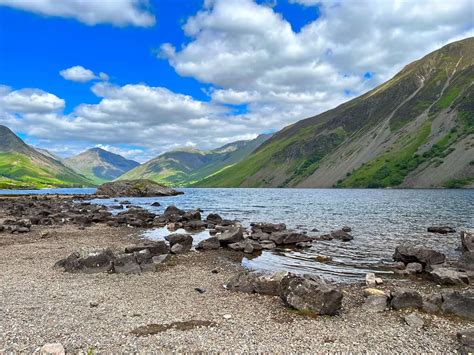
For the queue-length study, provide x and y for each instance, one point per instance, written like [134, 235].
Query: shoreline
[103, 312]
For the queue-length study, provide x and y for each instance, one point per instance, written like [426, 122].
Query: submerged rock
[310, 294]
[441, 229]
[135, 188]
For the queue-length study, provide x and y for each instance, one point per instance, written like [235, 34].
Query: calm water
[380, 220]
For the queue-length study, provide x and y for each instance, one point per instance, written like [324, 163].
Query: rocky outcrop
[310, 294]
[418, 254]
[135, 188]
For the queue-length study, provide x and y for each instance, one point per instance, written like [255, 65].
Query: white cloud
[29, 101]
[80, 74]
[252, 55]
[91, 12]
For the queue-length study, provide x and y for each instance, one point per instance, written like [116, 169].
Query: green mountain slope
[183, 167]
[100, 165]
[22, 166]
[415, 130]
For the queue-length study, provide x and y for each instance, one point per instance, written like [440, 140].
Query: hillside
[100, 165]
[22, 166]
[415, 130]
[182, 167]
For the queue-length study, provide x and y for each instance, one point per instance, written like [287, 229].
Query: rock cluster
[133, 260]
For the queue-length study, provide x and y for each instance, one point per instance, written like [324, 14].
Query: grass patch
[458, 183]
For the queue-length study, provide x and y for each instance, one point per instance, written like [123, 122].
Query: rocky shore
[79, 275]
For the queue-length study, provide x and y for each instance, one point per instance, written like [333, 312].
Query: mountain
[100, 165]
[182, 167]
[415, 130]
[22, 166]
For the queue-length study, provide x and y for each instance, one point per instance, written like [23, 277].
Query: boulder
[214, 218]
[126, 264]
[449, 277]
[346, 229]
[135, 188]
[341, 235]
[467, 240]
[376, 303]
[403, 298]
[432, 303]
[256, 283]
[232, 235]
[93, 262]
[441, 229]
[195, 225]
[156, 204]
[418, 254]
[260, 236]
[459, 303]
[268, 227]
[192, 215]
[183, 239]
[466, 261]
[310, 294]
[289, 237]
[154, 247]
[209, 244]
[466, 339]
[179, 248]
[414, 268]
[268, 245]
[414, 320]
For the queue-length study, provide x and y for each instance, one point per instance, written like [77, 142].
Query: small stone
[414, 268]
[370, 279]
[52, 349]
[227, 316]
[200, 290]
[44, 234]
[93, 304]
[378, 281]
[414, 320]
[374, 292]
[215, 271]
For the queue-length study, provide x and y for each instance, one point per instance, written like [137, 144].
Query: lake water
[380, 220]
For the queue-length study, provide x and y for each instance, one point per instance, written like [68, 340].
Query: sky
[140, 77]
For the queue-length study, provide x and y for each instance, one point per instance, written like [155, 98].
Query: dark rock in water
[173, 210]
[126, 264]
[183, 239]
[195, 225]
[125, 202]
[346, 229]
[268, 227]
[458, 303]
[156, 204]
[467, 240]
[232, 235]
[135, 188]
[268, 244]
[418, 254]
[310, 294]
[260, 236]
[209, 244]
[449, 277]
[214, 218]
[155, 248]
[402, 298]
[342, 235]
[289, 237]
[100, 261]
[466, 338]
[441, 229]
[256, 283]
[192, 215]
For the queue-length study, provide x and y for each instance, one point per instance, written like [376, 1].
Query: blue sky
[198, 73]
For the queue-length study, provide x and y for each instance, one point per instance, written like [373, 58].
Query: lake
[380, 220]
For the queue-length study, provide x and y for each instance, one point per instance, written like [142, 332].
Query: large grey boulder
[126, 264]
[310, 294]
[91, 262]
[183, 239]
[256, 283]
[154, 247]
[209, 244]
[418, 254]
[403, 298]
[467, 240]
[267, 227]
[232, 235]
[459, 303]
[449, 277]
[289, 237]
[135, 188]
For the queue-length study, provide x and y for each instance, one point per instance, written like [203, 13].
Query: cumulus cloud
[91, 12]
[82, 75]
[253, 56]
[29, 101]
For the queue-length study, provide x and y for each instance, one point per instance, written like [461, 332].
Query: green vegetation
[19, 171]
[391, 168]
[458, 183]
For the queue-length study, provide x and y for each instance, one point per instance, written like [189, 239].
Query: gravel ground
[40, 304]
